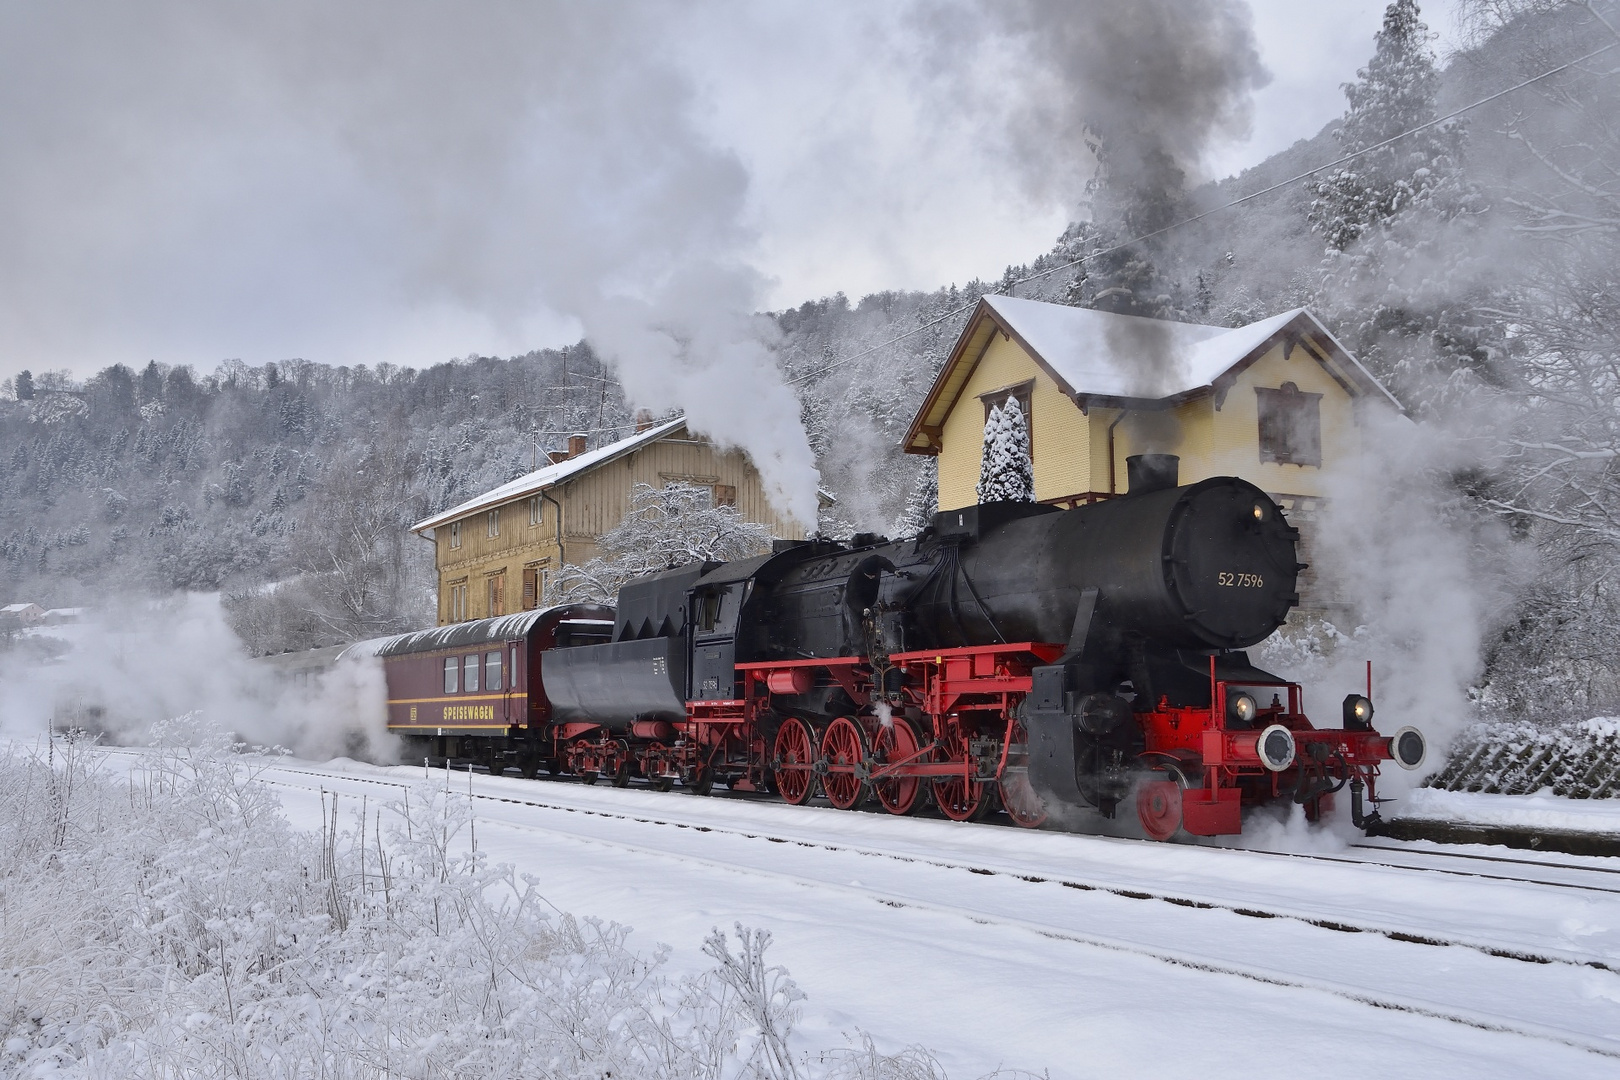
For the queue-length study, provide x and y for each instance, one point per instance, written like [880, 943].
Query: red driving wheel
[897, 740]
[795, 758]
[1018, 798]
[959, 797]
[845, 752]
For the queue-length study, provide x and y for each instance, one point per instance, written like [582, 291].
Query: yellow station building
[1274, 402]
[495, 552]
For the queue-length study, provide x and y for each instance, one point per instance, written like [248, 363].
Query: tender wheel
[1020, 801]
[588, 776]
[898, 740]
[845, 750]
[700, 782]
[662, 783]
[795, 755]
[1158, 802]
[621, 775]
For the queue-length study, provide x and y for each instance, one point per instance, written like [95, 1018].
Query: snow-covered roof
[552, 475]
[1108, 359]
[19, 609]
[456, 635]
[1098, 353]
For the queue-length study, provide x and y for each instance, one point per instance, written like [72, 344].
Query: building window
[534, 585]
[493, 524]
[1022, 393]
[455, 534]
[537, 508]
[492, 671]
[469, 673]
[725, 495]
[496, 584]
[1290, 425]
[452, 674]
[458, 601]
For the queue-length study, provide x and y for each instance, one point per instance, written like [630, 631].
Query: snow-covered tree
[1401, 278]
[1005, 472]
[1394, 93]
[923, 502]
[668, 526]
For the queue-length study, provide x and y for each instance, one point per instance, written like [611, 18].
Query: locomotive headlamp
[1275, 747]
[1242, 708]
[1260, 511]
[1358, 713]
[1408, 747]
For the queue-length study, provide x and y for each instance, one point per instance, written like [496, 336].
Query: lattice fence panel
[1578, 760]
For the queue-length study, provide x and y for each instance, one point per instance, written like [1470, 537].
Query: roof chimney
[557, 456]
[644, 420]
[576, 444]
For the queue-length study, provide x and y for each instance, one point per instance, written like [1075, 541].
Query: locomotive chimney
[576, 445]
[1151, 472]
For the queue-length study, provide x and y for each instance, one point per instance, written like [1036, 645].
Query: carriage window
[469, 673]
[492, 671]
[452, 671]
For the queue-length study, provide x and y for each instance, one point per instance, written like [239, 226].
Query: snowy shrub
[1005, 471]
[173, 924]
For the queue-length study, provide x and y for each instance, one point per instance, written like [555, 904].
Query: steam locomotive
[1013, 656]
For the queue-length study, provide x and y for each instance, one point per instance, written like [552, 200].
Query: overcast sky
[407, 182]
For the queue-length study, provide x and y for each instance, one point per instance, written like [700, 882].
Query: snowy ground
[1086, 956]
[1542, 810]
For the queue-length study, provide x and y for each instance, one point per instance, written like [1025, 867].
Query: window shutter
[531, 589]
[725, 495]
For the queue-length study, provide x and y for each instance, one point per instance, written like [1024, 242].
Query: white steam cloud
[1426, 578]
[136, 666]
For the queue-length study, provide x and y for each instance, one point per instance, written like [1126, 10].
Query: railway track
[698, 853]
[1585, 877]
[1257, 910]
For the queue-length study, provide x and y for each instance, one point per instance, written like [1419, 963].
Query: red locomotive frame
[950, 729]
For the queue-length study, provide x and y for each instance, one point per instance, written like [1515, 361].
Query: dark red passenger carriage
[472, 691]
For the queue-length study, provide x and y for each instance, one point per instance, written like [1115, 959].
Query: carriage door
[714, 642]
[511, 703]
